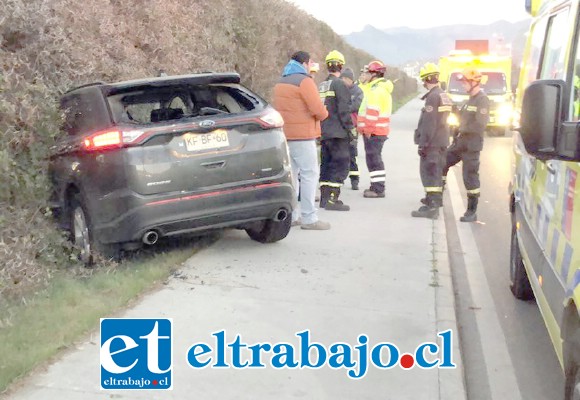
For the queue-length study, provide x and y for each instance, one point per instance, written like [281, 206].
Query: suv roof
[201, 79]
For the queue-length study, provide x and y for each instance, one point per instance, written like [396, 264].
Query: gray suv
[157, 157]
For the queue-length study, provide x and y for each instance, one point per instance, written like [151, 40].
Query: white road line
[500, 371]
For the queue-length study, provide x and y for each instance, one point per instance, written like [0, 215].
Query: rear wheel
[270, 231]
[519, 282]
[83, 237]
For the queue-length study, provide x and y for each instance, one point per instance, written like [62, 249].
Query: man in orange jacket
[296, 98]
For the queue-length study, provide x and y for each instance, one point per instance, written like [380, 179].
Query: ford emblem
[208, 123]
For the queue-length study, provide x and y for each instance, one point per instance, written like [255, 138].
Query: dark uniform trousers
[431, 169]
[466, 147]
[373, 149]
[335, 156]
[354, 173]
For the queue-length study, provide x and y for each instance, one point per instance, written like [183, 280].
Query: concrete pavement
[377, 272]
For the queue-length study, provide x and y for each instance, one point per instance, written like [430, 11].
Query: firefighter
[336, 134]
[356, 97]
[374, 120]
[467, 146]
[432, 138]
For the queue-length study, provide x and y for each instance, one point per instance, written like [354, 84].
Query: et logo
[136, 353]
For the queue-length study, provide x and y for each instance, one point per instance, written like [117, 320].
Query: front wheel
[270, 231]
[519, 282]
[572, 369]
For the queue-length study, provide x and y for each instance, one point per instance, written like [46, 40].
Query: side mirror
[541, 117]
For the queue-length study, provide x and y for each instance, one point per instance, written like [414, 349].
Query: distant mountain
[399, 46]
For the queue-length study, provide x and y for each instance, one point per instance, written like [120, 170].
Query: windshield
[495, 84]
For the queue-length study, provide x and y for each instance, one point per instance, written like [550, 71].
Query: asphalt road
[535, 365]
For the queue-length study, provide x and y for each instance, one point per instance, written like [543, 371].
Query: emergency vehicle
[496, 83]
[544, 195]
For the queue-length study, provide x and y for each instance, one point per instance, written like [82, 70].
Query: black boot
[324, 195]
[354, 183]
[430, 210]
[471, 213]
[333, 204]
[426, 212]
[437, 200]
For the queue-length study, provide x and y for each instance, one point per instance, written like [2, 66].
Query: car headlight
[452, 120]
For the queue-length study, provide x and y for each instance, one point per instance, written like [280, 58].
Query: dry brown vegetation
[50, 46]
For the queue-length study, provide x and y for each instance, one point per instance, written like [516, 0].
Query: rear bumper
[191, 212]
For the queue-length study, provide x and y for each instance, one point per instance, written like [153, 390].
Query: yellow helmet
[470, 74]
[335, 57]
[428, 70]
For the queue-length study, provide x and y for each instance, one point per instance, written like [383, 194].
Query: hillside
[398, 46]
[50, 46]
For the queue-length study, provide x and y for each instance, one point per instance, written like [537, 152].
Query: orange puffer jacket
[296, 98]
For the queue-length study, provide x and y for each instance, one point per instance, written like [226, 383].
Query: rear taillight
[104, 140]
[113, 139]
[272, 119]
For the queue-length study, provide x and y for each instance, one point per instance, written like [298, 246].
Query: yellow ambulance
[545, 244]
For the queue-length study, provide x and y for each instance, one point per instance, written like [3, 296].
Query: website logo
[136, 353]
[304, 352]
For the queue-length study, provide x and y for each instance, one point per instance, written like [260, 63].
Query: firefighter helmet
[335, 57]
[470, 74]
[377, 67]
[429, 69]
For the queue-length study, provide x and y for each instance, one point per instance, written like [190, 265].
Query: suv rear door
[200, 137]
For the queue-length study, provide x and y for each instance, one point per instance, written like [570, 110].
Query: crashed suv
[144, 159]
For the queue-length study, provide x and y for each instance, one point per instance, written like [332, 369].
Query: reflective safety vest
[374, 116]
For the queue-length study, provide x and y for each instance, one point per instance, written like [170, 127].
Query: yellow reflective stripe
[330, 93]
[433, 189]
[331, 184]
[474, 191]
[375, 173]
[354, 173]
[444, 108]
[471, 108]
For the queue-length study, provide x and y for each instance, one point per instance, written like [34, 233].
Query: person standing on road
[467, 146]
[336, 134]
[374, 119]
[356, 97]
[296, 99]
[432, 138]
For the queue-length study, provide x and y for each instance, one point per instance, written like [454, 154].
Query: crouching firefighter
[432, 137]
[467, 146]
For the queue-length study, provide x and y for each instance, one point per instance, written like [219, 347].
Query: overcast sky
[348, 16]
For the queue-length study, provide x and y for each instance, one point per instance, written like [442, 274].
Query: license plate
[204, 141]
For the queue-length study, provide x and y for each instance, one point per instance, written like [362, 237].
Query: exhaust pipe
[150, 237]
[281, 215]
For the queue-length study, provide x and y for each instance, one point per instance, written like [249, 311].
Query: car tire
[82, 235]
[519, 282]
[270, 231]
